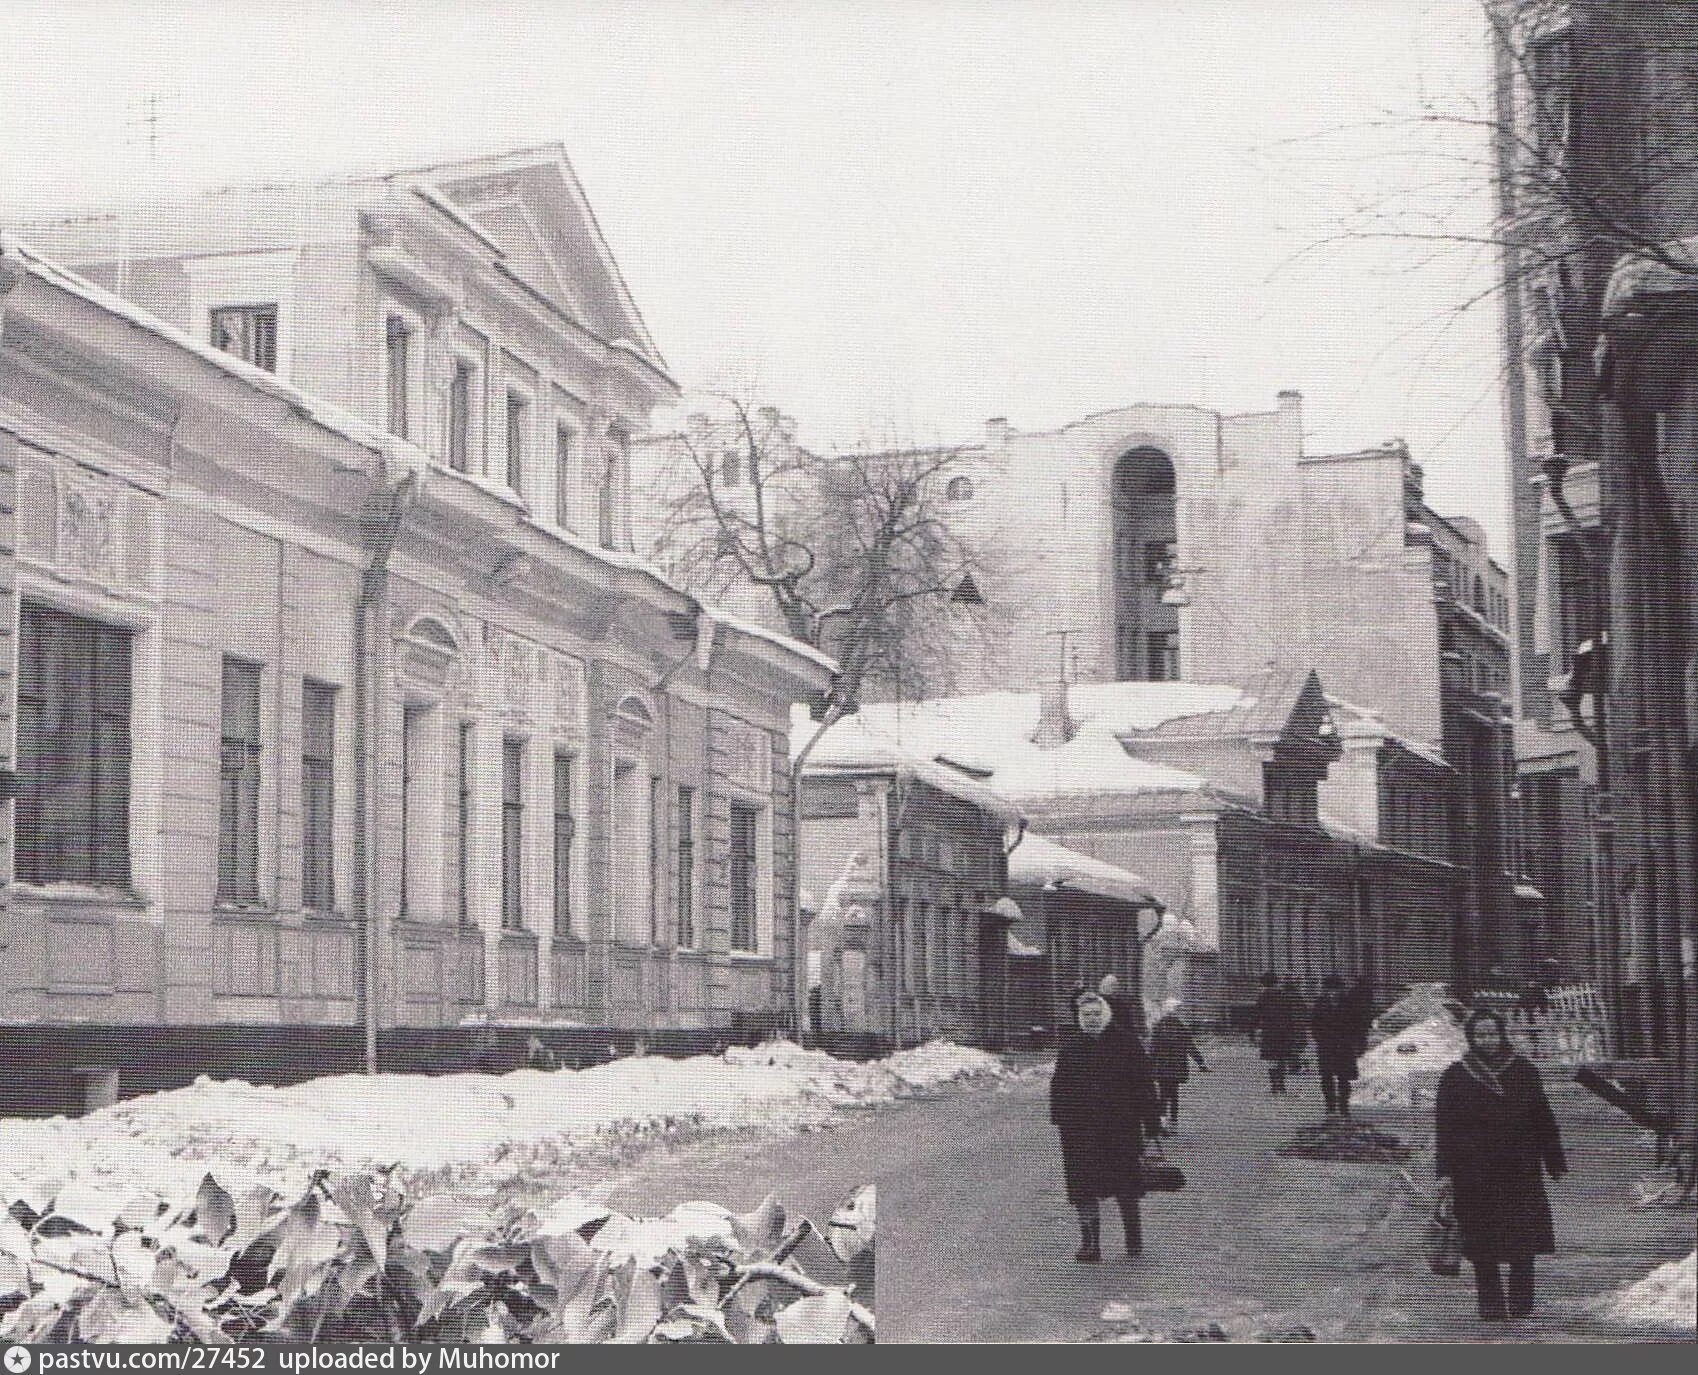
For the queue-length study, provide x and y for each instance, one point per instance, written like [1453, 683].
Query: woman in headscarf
[1497, 1139]
[1102, 1099]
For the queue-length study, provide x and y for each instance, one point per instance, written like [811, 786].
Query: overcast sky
[912, 214]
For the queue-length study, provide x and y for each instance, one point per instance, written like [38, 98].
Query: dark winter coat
[1173, 1048]
[1336, 1029]
[1276, 1024]
[1496, 1147]
[1103, 1099]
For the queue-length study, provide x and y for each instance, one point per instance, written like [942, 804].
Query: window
[959, 489]
[730, 469]
[562, 475]
[1580, 596]
[923, 960]
[238, 799]
[565, 829]
[460, 417]
[656, 821]
[512, 835]
[73, 807]
[1164, 655]
[1158, 562]
[412, 726]
[743, 870]
[463, 822]
[1126, 651]
[633, 854]
[725, 543]
[396, 339]
[899, 942]
[318, 793]
[1550, 68]
[609, 497]
[686, 824]
[517, 414]
[249, 332]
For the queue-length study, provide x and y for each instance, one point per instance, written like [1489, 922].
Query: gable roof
[539, 228]
[991, 735]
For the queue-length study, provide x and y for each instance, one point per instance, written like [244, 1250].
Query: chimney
[1290, 409]
[996, 432]
[1055, 724]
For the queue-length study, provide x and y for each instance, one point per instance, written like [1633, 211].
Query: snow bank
[1387, 1074]
[503, 1125]
[1667, 1298]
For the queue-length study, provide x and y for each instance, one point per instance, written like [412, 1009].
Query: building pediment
[531, 204]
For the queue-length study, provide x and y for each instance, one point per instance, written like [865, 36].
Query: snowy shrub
[354, 1259]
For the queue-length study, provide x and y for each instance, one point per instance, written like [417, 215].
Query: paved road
[976, 1240]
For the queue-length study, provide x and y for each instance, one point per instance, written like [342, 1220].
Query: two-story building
[345, 715]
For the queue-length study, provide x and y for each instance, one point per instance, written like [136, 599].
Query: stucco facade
[536, 784]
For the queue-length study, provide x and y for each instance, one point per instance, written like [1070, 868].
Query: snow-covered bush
[353, 1258]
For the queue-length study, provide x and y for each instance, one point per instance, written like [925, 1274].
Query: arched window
[959, 489]
[1142, 491]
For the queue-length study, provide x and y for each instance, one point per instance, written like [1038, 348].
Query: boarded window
[73, 807]
[565, 828]
[238, 796]
[318, 797]
[248, 332]
[512, 835]
[686, 823]
[742, 867]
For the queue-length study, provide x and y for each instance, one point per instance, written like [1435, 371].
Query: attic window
[730, 470]
[248, 332]
[959, 489]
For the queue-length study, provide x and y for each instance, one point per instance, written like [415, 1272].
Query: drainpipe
[382, 528]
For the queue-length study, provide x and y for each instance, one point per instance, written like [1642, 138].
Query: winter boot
[1090, 1240]
[1133, 1224]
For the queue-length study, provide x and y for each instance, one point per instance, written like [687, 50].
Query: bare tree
[854, 550]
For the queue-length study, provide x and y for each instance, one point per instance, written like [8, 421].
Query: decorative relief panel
[748, 755]
[539, 686]
[90, 536]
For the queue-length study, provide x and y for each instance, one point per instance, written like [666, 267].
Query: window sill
[750, 957]
[78, 894]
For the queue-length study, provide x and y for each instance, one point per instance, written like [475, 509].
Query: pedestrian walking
[1102, 1100]
[1334, 1024]
[1172, 1050]
[1496, 1140]
[1297, 1010]
[1274, 1030]
[1128, 1011]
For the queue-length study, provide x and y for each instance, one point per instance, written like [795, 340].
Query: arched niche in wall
[1142, 498]
[427, 653]
[637, 817]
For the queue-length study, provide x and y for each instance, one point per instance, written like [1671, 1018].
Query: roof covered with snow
[989, 737]
[1042, 863]
[856, 745]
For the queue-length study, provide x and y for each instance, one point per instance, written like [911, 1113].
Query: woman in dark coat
[1275, 1030]
[1172, 1049]
[1334, 1023]
[1497, 1139]
[1102, 1099]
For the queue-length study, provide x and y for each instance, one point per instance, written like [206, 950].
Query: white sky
[913, 215]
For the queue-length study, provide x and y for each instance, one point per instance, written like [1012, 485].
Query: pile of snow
[1387, 1074]
[498, 1126]
[1666, 1299]
[1421, 1003]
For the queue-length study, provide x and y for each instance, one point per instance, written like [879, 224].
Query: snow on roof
[346, 425]
[1363, 716]
[1043, 863]
[992, 732]
[855, 745]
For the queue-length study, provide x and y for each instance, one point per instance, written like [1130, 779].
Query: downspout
[798, 955]
[382, 529]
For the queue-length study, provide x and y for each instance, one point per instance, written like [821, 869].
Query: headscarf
[1487, 1071]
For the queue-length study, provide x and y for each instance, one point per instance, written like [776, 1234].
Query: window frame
[564, 836]
[233, 886]
[252, 315]
[318, 885]
[736, 808]
[397, 373]
[513, 758]
[684, 845]
[108, 749]
[516, 448]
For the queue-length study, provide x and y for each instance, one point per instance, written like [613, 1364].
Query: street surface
[976, 1240]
